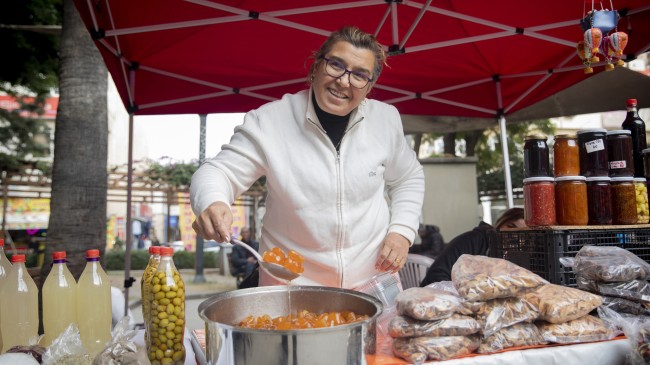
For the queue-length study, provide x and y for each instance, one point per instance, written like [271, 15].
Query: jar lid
[570, 178]
[639, 180]
[623, 179]
[538, 179]
[647, 150]
[631, 102]
[619, 131]
[535, 137]
[599, 178]
[595, 130]
[560, 136]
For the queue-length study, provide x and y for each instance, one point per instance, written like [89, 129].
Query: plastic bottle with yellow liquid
[145, 289]
[18, 306]
[5, 268]
[59, 299]
[94, 305]
[167, 313]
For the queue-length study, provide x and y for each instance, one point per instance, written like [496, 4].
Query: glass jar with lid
[571, 207]
[536, 160]
[599, 199]
[623, 201]
[646, 162]
[619, 153]
[539, 201]
[641, 191]
[593, 152]
[566, 155]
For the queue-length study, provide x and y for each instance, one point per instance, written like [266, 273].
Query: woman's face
[336, 95]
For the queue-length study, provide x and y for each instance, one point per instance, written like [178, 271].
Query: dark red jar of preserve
[539, 201]
[599, 199]
[593, 152]
[536, 160]
[619, 153]
[623, 201]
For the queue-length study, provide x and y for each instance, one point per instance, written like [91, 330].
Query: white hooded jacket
[333, 208]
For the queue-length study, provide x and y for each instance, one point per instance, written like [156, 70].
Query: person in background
[345, 189]
[431, 241]
[243, 261]
[474, 242]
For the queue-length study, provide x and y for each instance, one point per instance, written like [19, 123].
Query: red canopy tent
[470, 58]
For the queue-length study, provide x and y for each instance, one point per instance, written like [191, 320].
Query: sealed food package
[444, 285]
[637, 290]
[521, 334]
[456, 325]
[583, 329]
[67, 349]
[610, 264]
[121, 350]
[480, 278]
[496, 314]
[419, 349]
[559, 304]
[428, 304]
[636, 329]
[622, 305]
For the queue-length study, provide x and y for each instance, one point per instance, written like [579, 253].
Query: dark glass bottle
[635, 124]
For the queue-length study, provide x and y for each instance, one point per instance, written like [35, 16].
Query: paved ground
[195, 293]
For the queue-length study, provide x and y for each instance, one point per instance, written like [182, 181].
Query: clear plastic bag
[622, 305]
[121, 350]
[419, 349]
[428, 304]
[456, 325]
[33, 349]
[479, 278]
[559, 304]
[496, 314]
[67, 349]
[584, 329]
[636, 329]
[521, 334]
[637, 290]
[608, 264]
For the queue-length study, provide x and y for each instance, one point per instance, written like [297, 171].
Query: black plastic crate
[540, 250]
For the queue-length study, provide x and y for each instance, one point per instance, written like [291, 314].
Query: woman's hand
[215, 222]
[393, 253]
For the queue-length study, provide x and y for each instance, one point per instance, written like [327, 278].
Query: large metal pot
[344, 344]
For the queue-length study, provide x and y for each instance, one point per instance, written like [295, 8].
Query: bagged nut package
[583, 329]
[456, 325]
[610, 264]
[428, 304]
[496, 314]
[479, 278]
[419, 349]
[622, 306]
[559, 304]
[637, 290]
[521, 334]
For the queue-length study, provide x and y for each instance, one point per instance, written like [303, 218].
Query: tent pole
[506, 160]
[198, 276]
[128, 280]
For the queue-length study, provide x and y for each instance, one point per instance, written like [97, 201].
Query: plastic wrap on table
[67, 349]
[610, 264]
[428, 304]
[636, 329]
[559, 304]
[521, 334]
[419, 349]
[35, 351]
[456, 325]
[479, 278]
[637, 290]
[121, 350]
[622, 305]
[17, 358]
[496, 314]
[447, 286]
[584, 329]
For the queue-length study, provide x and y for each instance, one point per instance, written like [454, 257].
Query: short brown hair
[508, 216]
[357, 38]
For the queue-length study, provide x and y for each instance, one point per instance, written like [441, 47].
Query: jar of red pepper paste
[539, 201]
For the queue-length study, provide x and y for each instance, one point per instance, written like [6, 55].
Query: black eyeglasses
[337, 69]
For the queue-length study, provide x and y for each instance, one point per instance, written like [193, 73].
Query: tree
[79, 174]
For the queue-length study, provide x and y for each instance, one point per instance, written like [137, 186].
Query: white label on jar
[571, 142]
[595, 145]
[617, 164]
[541, 144]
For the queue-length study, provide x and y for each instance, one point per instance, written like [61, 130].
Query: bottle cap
[619, 131]
[623, 179]
[538, 179]
[2, 242]
[594, 130]
[640, 180]
[535, 137]
[154, 250]
[59, 255]
[166, 251]
[92, 254]
[631, 102]
[571, 178]
[599, 179]
[18, 258]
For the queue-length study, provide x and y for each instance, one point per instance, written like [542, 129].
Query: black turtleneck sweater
[334, 125]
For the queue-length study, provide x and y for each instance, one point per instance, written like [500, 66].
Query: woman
[330, 157]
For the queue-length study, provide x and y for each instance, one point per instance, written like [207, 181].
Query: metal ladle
[275, 270]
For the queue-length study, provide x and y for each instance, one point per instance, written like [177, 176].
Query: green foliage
[184, 260]
[115, 259]
[174, 174]
[211, 260]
